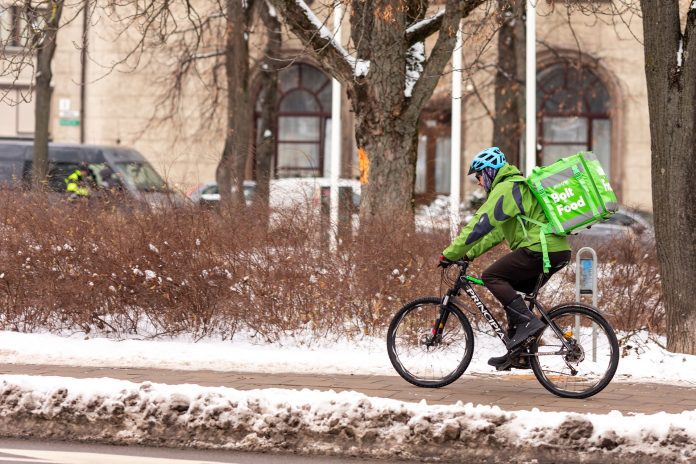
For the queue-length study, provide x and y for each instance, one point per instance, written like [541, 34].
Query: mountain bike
[430, 341]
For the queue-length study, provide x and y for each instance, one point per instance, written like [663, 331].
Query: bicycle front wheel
[587, 364]
[418, 356]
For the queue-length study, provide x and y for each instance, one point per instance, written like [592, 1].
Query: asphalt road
[41, 452]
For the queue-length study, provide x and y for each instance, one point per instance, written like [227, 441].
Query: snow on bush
[327, 422]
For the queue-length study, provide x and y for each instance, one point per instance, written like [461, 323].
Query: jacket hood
[507, 172]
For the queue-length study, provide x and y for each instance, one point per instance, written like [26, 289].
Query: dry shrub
[629, 286]
[121, 270]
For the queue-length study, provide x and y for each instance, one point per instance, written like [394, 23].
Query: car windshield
[142, 176]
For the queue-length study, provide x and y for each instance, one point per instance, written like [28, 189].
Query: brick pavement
[510, 392]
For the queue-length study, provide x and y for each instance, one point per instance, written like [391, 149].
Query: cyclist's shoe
[501, 363]
[524, 331]
[509, 360]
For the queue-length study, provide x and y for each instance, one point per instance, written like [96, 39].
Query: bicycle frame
[463, 282]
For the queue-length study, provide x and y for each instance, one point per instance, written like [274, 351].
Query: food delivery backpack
[574, 193]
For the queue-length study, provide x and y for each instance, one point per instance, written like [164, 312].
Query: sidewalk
[510, 392]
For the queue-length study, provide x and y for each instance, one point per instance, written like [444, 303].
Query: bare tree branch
[421, 30]
[316, 36]
[440, 54]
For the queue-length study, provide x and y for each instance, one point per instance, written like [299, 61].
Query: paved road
[47, 452]
[511, 392]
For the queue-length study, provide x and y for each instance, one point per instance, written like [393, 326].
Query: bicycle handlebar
[462, 263]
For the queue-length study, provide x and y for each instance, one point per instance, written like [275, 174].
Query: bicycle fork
[439, 324]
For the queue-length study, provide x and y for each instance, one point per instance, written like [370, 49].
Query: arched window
[574, 105]
[304, 122]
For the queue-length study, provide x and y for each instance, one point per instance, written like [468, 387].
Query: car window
[210, 190]
[57, 172]
[141, 175]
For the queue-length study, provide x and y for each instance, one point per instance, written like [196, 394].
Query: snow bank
[346, 423]
[643, 359]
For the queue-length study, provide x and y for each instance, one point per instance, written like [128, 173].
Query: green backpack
[574, 193]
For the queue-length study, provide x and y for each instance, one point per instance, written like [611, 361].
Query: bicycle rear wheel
[422, 360]
[590, 363]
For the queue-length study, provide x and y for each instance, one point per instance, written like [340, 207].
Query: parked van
[131, 170]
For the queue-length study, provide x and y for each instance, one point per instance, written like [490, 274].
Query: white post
[530, 82]
[335, 166]
[456, 142]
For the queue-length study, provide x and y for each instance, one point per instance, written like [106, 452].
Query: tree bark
[230, 170]
[508, 121]
[45, 43]
[386, 117]
[671, 78]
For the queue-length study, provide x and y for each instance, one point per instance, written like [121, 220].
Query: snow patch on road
[306, 421]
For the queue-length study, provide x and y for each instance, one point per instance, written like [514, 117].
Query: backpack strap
[544, 228]
[544, 197]
[582, 179]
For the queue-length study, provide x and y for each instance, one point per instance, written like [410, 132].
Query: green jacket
[496, 220]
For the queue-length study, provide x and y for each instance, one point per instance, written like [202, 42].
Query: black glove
[444, 262]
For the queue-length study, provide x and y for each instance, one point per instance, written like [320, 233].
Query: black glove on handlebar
[444, 262]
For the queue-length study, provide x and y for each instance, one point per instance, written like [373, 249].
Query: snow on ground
[307, 421]
[644, 361]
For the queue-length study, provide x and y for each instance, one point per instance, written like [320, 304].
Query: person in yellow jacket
[77, 183]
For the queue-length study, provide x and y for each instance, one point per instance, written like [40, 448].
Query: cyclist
[508, 196]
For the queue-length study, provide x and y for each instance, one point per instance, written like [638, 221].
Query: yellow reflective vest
[75, 184]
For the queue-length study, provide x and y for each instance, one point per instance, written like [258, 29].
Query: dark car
[625, 223]
[127, 169]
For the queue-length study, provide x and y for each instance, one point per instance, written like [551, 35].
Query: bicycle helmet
[489, 158]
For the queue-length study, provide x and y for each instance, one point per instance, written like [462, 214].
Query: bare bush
[630, 287]
[123, 271]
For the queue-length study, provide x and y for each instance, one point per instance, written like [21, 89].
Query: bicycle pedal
[521, 365]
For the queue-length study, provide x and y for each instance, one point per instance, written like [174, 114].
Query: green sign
[69, 122]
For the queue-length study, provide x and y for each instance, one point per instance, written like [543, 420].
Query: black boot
[499, 362]
[526, 323]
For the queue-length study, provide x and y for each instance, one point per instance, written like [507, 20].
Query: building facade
[590, 84]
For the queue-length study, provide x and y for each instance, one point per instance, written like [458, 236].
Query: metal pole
[530, 84]
[581, 288]
[83, 70]
[335, 166]
[456, 142]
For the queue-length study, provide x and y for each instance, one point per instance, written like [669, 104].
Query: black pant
[519, 271]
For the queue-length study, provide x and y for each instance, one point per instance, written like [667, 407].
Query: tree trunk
[671, 78]
[386, 114]
[385, 139]
[230, 170]
[508, 122]
[268, 127]
[391, 147]
[45, 42]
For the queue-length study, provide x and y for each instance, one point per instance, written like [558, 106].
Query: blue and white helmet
[489, 158]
